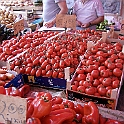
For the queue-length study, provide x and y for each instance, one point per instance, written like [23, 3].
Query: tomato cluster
[50, 58]
[10, 48]
[100, 70]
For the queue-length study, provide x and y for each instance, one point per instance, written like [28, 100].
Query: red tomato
[108, 93]
[104, 73]
[90, 90]
[117, 72]
[81, 89]
[115, 84]
[38, 73]
[95, 73]
[89, 78]
[119, 65]
[96, 82]
[79, 71]
[102, 90]
[107, 82]
[81, 77]
[74, 87]
[87, 84]
[111, 66]
[121, 55]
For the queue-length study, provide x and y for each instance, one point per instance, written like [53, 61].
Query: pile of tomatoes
[100, 70]
[10, 48]
[50, 58]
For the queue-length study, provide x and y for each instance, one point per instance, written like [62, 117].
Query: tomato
[87, 84]
[100, 53]
[49, 73]
[101, 68]
[111, 66]
[81, 82]
[104, 73]
[33, 72]
[114, 56]
[81, 77]
[33, 120]
[90, 90]
[55, 66]
[96, 82]
[88, 69]
[102, 90]
[108, 93]
[95, 73]
[61, 75]
[36, 61]
[107, 82]
[44, 64]
[28, 70]
[54, 74]
[121, 55]
[76, 83]
[119, 65]
[110, 72]
[115, 84]
[48, 67]
[79, 70]
[38, 73]
[89, 78]
[94, 49]
[89, 62]
[96, 94]
[119, 61]
[81, 89]
[74, 87]
[117, 72]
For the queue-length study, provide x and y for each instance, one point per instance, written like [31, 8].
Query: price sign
[12, 109]
[18, 26]
[122, 27]
[66, 21]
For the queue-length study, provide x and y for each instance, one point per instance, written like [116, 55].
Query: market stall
[59, 75]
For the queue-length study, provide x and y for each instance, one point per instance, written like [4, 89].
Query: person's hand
[86, 25]
[49, 24]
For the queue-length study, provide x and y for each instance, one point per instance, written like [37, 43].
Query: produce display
[10, 48]
[16, 2]
[7, 18]
[51, 57]
[43, 108]
[100, 70]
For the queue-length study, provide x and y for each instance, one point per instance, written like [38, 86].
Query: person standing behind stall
[50, 9]
[89, 13]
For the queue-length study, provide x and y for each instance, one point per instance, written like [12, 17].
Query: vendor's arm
[94, 22]
[63, 10]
